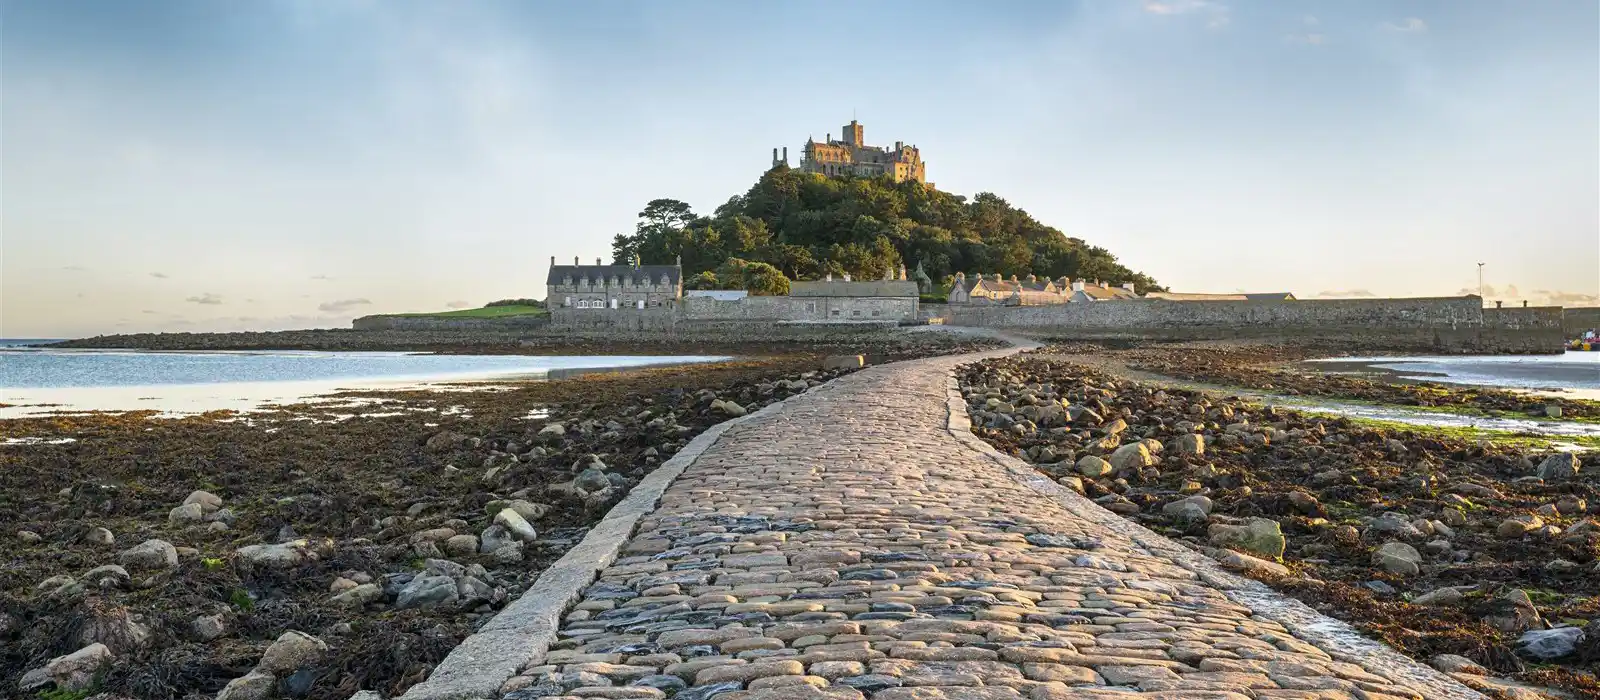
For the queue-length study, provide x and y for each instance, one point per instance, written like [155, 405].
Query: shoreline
[223, 535]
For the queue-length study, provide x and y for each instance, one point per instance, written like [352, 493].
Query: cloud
[323, 278]
[1409, 25]
[75, 268]
[208, 299]
[1559, 298]
[1311, 20]
[457, 305]
[159, 275]
[341, 305]
[148, 311]
[1216, 13]
[1308, 38]
[1346, 294]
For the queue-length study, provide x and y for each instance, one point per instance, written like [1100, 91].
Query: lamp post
[1480, 283]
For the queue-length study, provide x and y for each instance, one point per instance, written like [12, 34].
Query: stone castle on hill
[850, 155]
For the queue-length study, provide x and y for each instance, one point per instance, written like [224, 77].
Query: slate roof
[638, 275]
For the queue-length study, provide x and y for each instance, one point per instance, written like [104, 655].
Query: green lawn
[485, 312]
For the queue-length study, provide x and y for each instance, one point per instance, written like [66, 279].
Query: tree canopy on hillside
[807, 226]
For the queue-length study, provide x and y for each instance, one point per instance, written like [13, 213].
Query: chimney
[785, 155]
[1128, 286]
[1498, 303]
[575, 260]
[1014, 278]
[961, 276]
[1077, 286]
[597, 262]
[1524, 303]
[847, 277]
[552, 261]
[899, 145]
[829, 278]
[902, 273]
[774, 156]
[1032, 279]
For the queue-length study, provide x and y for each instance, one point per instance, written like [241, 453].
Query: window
[811, 307]
[567, 302]
[835, 312]
[664, 281]
[857, 312]
[583, 304]
[876, 312]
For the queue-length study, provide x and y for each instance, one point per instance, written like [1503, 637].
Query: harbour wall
[447, 323]
[1435, 324]
[1575, 321]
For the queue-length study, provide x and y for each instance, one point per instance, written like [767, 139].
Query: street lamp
[1480, 283]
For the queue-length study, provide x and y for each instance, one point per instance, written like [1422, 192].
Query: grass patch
[1498, 437]
[485, 312]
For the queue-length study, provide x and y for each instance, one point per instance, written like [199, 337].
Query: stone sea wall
[446, 323]
[1575, 321]
[1438, 324]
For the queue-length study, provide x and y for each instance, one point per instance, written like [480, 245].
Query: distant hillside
[808, 225]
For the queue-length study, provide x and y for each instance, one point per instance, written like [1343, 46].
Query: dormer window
[664, 281]
[566, 281]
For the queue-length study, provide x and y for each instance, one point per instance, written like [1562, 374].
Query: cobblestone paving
[849, 546]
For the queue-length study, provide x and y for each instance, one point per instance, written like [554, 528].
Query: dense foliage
[806, 226]
[515, 302]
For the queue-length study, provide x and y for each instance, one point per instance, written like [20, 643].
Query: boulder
[1093, 467]
[529, 510]
[208, 627]
[292, 650]
[516, 525]
[1519, 525]
[1189, 444]
[149, 554]
[1451, 663]
[1547, 645]
[1134, 456]
[1258, 536]
[1397, 558]
[359, 596]
[208, 502]
[1194, 509]
[1442, 596]
[426, 591]
[100, 536]
[461, 545]
[108, 576]
[255, 685]
[187, 513]
[1559, 466]
[113, 626]
[591, 480]
[833, 362]
[76, 671]
[493, 538]
[274, 556]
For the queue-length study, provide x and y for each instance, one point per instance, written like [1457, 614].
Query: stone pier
[858, 542]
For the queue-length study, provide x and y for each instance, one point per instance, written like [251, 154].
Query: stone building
[850, 155]
[995, 289]
[598, 286]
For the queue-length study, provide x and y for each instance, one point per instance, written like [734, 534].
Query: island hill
[797, 225]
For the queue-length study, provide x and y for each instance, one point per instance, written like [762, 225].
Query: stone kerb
[1337, 638]
[524, 630]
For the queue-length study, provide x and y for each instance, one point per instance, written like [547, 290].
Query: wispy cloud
[1216, 13]
[457, 305]
[1408, 25]
[1345, 294]
[208, 299]
[321, 278]
[1558, 298]
[341, 305]
[1307, 38]
[1311, 20]
[75, 268]
[159, 275]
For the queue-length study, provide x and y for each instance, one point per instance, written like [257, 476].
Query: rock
[1453, 517]
[76, 671]
[445, 441]
[493, 538]
[426, 591]
[591, 480]
[106, 576]
[729, 408]
[1194, 509]
[1395, 524]
[1258, 536]
[189, 513]
[1380, 588]
[1245, 562]
[112, 626]
[1397, 558]
[208, 502]
[255, 685]
[150, 554]
[291, 651]
[208, 627]
[833, 362]
[512, 522]
[28, 537]
[1134, 456]
[528, 510]
[1519, 525]
[275, 556]
[100, 536]
[1190, 444]
[359, 596]
[1552, 410]
[1450, 663]
[1562, 465]
[1571, 505]
[1093, 467]
[508, 554]
[1442, 596]
[1547, 645]
[461, 545]
[50, 585]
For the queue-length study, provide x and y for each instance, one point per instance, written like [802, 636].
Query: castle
[851, 156]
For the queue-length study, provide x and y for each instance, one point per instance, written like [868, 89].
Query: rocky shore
[1277, 368]
[1479, 559]
[322, 549]
[878, 344]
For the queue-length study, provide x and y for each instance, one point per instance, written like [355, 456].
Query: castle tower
[854, 134]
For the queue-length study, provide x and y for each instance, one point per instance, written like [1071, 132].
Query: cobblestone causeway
[850, 545]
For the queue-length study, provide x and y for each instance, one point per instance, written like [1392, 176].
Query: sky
[190, 165]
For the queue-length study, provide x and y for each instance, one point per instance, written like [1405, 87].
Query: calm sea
[197, 381]
[1577, 373]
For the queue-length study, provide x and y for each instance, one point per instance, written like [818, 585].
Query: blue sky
[195, 165]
